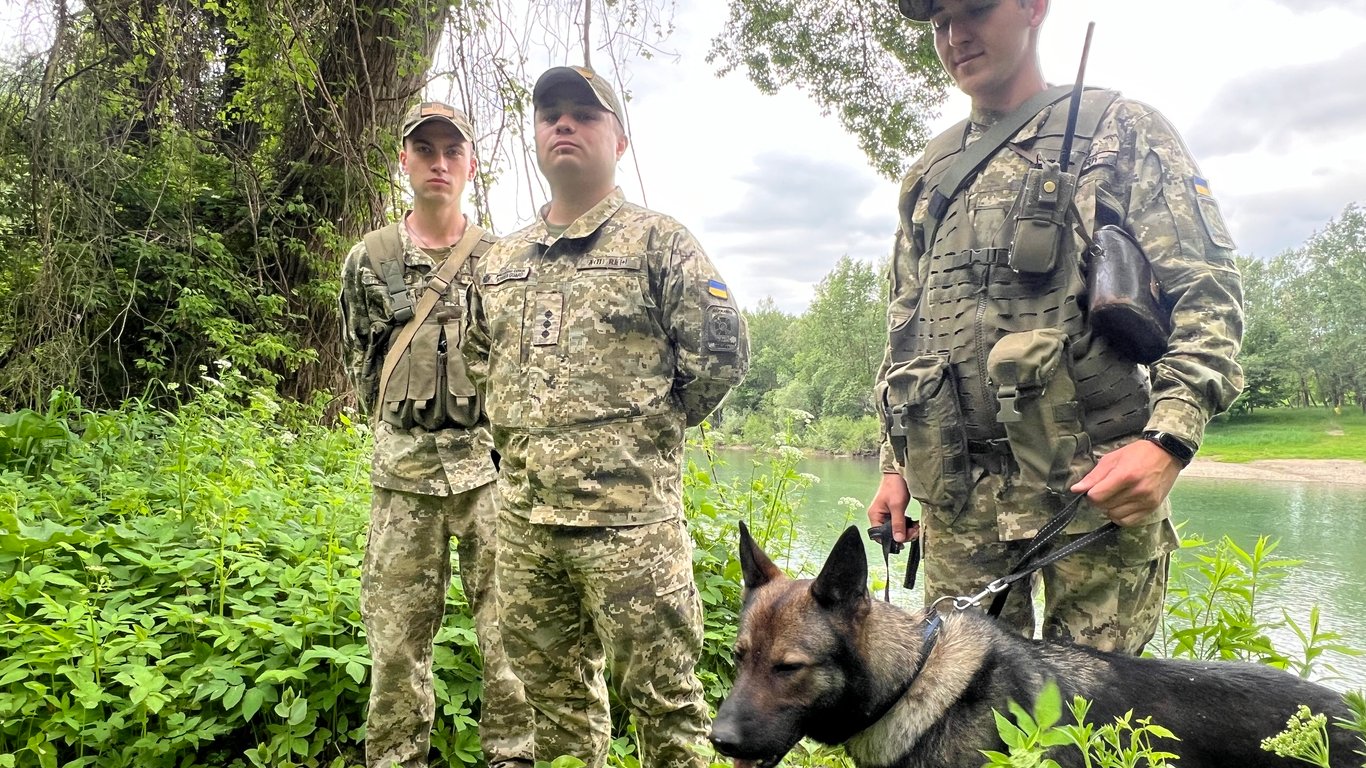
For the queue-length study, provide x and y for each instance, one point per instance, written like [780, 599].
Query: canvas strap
[437, 283]
[972, 159]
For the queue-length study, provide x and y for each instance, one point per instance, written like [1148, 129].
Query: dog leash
[882, 534]
[999, 589]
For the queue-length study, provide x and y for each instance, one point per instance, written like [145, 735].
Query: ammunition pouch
[1039, 409]
[429, 387]
[1124, 297]
[925, 427]
[1041, 218]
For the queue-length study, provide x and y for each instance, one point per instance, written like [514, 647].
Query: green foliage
[861, 60]
[31, 441]
[186, 586]
[1304, 343]
[178, 180]
[1034, 735]
[182, 585]
[1288, 433]
[1213, 611]
[843, 334]
[811, 377]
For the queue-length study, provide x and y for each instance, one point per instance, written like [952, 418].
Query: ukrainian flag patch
[717, 289]
[1201, 186]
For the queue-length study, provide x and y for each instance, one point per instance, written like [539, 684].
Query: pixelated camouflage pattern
[417, 460]
[1108, 595]
[404, 582]
[1136, 165]
[594, 351]
[575, 600]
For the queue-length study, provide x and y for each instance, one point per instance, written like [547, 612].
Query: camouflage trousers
[575, 598]
[1108, 595]
[404, 581]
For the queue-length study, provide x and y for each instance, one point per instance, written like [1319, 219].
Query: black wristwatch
[1179, 448]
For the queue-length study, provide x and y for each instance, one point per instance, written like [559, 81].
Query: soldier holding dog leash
[1005, 391]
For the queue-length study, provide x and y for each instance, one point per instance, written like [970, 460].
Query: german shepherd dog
[822, 658]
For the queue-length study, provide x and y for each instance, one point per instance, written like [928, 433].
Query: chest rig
[423, 382]
[976, 292]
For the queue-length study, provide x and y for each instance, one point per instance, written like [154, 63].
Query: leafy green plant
[1033, 735]
[1214, 610]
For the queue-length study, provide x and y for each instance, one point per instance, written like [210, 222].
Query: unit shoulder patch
[1209, 213]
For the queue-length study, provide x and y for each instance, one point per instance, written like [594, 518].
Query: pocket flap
[1026, 360]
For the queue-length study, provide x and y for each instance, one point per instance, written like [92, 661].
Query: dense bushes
[182, 589]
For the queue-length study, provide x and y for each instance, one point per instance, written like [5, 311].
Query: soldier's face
[577, 143]
[986, 46]
[438, 161]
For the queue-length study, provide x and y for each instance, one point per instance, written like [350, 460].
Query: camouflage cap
[581, 84]
[916, 10]
[436, 110]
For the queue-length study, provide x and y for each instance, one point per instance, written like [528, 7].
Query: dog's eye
[787, 667]
[739, 655]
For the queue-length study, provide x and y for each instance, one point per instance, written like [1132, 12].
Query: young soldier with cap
[403, 301]
[599, 333]
[1003, 398]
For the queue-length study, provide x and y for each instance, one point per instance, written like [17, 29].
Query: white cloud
[1266, 92]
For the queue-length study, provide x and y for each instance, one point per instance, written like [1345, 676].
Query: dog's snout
[725, 737]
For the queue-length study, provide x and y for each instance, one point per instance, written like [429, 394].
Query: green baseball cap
[436, 110]
[581, 84]
[916, 10]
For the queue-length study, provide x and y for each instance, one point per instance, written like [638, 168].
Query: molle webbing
[971, 298]
[384, 248]
[947, 186]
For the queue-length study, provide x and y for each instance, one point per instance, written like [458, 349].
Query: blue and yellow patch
[1201, 186]
[717, 289]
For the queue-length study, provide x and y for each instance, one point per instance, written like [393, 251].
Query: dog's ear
[755, 566]
[843, 581]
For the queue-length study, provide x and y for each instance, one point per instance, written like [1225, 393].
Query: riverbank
[1335, 471]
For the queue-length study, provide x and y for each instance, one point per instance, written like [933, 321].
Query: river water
[1321, 525]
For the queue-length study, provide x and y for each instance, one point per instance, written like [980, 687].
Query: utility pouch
[925, 425]
[1124, 297]
[1040, 218]
[1039, 408]
[462, 399]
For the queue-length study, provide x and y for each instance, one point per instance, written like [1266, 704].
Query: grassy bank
[1287, 433]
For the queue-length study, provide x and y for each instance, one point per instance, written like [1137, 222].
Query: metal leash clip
[964, 603]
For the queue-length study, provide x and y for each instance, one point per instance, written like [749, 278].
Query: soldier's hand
[1130, 482]
[890, 504]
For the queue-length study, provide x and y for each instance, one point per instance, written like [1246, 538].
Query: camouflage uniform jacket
[436, 463]
[1138, 173]
[594, 351]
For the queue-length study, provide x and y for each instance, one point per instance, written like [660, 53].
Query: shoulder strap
[967, 164]
[384, 248]
[437, 283]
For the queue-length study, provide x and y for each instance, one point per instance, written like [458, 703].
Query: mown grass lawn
[1287, 433]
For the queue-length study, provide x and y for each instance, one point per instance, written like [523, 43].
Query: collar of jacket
[583, 226]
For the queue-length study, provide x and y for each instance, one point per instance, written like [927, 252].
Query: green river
[1322, 525]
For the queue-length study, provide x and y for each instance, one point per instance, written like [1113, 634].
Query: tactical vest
[971, 299]
[429, 386]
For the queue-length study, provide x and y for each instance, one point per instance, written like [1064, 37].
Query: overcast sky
[1269, 95]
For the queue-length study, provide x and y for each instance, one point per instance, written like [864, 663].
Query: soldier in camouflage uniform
[432, 472]
[600, 332]
[972, 315]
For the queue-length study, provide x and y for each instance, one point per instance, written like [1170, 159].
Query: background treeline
[810, 376]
